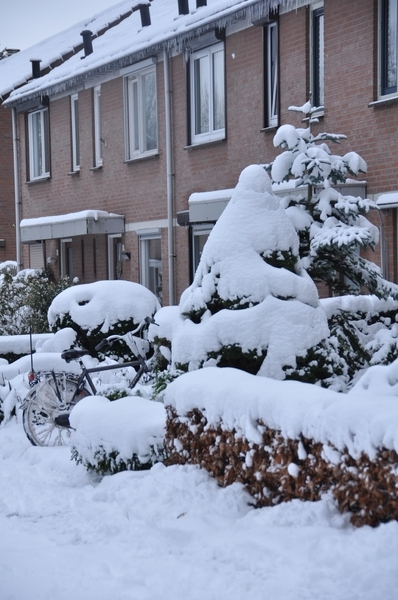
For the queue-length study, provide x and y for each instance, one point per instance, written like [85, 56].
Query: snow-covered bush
[100, 309]
[251, 305]
[284, 440]
[25, 298]
[123, 435]
[160, 336]
[332, 226]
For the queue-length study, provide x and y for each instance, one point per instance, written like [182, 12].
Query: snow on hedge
[356, 421]
[103, 303]
[128, 432]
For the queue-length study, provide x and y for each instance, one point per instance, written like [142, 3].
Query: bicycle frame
[85, 374]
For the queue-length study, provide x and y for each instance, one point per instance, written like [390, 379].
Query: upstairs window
[388, 46]
[271, 74]
[75, 132]
[98, 140]
[207, 94]
[318, 97]
[141, 113]
[39, 144]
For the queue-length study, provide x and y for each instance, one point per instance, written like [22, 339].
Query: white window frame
[39, 151]
[114, 259]
[74, 107]
[65, 258]
[213, 132]
[135, 111]
[199, 230]
[272, 74]
[317, 55]
[98, 141]
[384, 89]
[146, 263]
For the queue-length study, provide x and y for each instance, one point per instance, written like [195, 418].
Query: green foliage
[336, 228]
[25, 298]
[90, 338]
[215, 304]
[321, 365]
[233, 356]
[109, 463]
[162, 380]
[281, 259]
[357, 340]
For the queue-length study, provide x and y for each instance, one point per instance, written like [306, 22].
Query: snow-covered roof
[17, 70]
[123, 44]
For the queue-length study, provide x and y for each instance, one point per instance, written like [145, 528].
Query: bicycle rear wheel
[55, 394]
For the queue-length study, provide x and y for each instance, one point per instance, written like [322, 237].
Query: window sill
[73, 173]
[207, 143]
[98, 168]
[38, 180]
[383, 101]
[141, 157]
[270, 128]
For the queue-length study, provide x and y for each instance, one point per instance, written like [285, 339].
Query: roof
[123, 44]
[17, 70]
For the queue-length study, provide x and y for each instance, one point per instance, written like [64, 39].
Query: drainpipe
[169, 175]
[16, 189]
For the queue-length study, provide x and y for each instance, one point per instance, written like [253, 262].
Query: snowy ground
[171, 533]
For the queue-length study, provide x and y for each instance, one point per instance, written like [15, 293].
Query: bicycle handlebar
[112, 338]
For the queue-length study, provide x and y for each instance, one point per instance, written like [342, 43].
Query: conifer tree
[333, 227]
[251, 305]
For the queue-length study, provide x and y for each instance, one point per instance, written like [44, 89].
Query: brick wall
[7, 201]
[138, 189]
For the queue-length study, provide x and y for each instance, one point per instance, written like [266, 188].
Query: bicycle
[47, 405]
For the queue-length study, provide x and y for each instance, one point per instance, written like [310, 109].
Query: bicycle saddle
[73, 354]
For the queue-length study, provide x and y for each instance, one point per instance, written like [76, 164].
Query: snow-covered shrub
[98, 310]
[283, 440]
[160, 336]
[122, 435]
[332, 226]
[25, 298]
[251, 304]
[364, 331]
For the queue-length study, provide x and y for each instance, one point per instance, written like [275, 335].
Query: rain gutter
[169, 175]
[16, 190]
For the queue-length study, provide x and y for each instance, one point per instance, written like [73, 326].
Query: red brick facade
[7, 198]
[137, 189]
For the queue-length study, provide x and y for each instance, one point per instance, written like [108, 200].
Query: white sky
[23, 23]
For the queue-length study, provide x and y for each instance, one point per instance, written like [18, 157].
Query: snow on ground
[172, 533]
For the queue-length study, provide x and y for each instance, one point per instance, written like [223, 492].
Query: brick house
[130, 148]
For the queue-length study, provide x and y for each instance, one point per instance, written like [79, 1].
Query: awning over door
[70, 225]
[208, 206]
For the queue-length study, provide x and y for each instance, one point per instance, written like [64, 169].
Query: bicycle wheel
[55, 394]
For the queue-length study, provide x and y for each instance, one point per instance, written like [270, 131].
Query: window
[141, 113]
[97, 127]
[318, 98]
[271, 74]
[75, 133]
[66, 258]
[388, 46]
[207, 94]
[39, 144]
[115, 264]
[151, 264]
[36, 255]
[200, 234]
